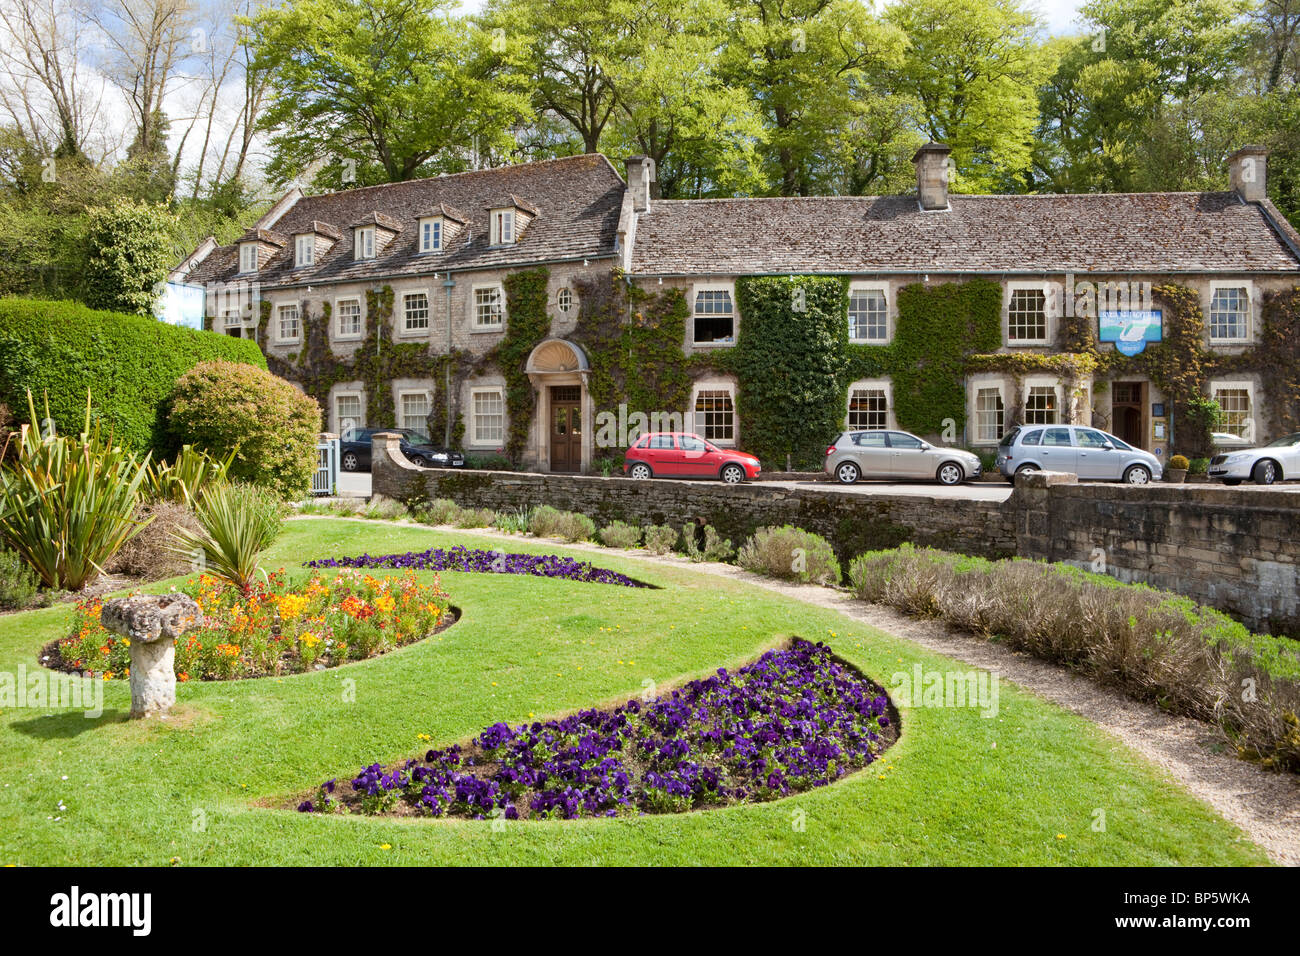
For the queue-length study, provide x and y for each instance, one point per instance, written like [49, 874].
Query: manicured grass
[144, 792]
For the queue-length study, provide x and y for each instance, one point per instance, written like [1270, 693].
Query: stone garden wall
[1237, 549]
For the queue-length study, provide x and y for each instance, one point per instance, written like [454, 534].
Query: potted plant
[1177, 470]
[1198, 470]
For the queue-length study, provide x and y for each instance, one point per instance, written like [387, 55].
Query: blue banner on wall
[1130, 330]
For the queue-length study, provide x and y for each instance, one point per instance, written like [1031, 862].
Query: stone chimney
[640, 174]
[931, 162]
[1248, 173]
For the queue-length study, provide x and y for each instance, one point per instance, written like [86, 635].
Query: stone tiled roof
[1098, 233]
[577, 200]
[264, 235]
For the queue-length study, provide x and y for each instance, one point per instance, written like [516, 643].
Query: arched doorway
[558, 370]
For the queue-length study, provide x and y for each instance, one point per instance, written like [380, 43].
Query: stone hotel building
[432, 259]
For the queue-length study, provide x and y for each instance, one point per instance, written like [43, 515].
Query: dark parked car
[354, 450]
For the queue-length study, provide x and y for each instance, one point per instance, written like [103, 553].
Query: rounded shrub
[18, 582]
[791, 553]
[620, 534]
[222, 406]
[660, 538]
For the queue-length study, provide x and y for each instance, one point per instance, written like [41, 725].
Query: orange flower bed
[273, 628]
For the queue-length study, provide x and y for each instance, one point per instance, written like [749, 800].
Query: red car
[686, 455]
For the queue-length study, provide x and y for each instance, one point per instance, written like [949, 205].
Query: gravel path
[1266, 805]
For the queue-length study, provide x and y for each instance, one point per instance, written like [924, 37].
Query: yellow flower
[291, 606]
[308, 638]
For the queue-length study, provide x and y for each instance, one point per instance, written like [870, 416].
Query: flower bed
[792, 720]
[461, 558]
[274, 628]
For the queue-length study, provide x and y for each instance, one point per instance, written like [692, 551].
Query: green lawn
[144, 792]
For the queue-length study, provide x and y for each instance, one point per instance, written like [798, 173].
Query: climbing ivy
[633, 341]
[527, 326]
[790, 361]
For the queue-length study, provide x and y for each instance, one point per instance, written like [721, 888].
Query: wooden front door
[1127, 400]
[566, 428]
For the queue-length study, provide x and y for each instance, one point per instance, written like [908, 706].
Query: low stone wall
[1237, 549]
[852, 523]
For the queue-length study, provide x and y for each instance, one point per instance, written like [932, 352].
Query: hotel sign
[1130, 330]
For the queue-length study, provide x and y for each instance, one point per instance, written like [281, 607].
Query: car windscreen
[1285, 441]
[1009, 438]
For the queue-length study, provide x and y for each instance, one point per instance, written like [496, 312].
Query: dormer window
[248, 257]
[503, 227]
[364, 243]
[431, 235]
[304, 250]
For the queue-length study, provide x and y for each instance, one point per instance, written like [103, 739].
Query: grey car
[897, 455]
[1088, 452]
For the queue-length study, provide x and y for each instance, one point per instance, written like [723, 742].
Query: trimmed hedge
[129, 363]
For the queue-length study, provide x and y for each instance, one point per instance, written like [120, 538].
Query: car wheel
[847, 473]
[732, 474]
[1025, 470]
[349, 461]
[950, 473]
[640, 471]
[1137, 475]
[419, 461]
[1266, 472]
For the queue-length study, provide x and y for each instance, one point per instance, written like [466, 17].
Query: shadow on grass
[67, 724]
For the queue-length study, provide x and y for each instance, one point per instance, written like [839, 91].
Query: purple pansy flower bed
[792, 720]
[461, 558]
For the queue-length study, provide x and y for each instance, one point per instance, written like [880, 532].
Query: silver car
[1279, 460]
[1087, 452]
[898, 455]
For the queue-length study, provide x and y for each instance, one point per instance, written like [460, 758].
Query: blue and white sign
[1130, 330]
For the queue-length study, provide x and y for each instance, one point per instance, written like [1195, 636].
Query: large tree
[975, 67]
[390, 89]
[1127, 106]
[818, 71]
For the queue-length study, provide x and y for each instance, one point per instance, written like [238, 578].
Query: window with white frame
[1234, 403]
[989, 415]
[1041, 405]
[868, 408]
[364, 243]
[487, 416]
[1229, 314]
[290, 328]
[715, 415]
[503, 227]
[868, 315]
[415, 312]
[248, 257]
[349, 414]
[1027, 317]
[564, 300]
[414, 410]
[713, 316]
[232, 323]
[348, 312]
[304, 253]
[431, 235]
[489, 307]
